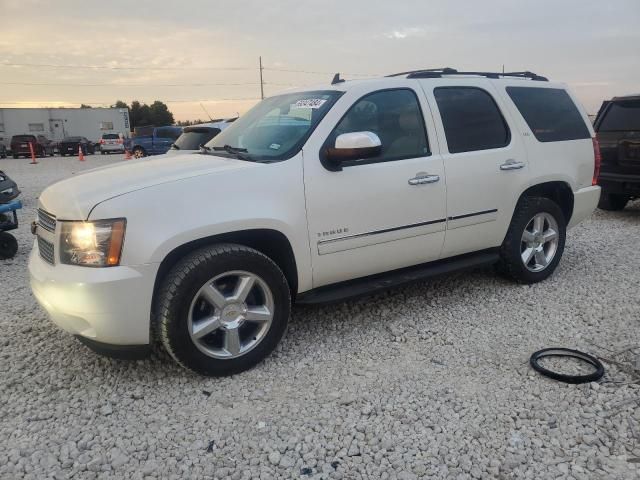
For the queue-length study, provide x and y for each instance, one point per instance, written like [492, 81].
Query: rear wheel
[612, 202]
[8, 245]
[534, 242]
[139, 152]
[222, 309]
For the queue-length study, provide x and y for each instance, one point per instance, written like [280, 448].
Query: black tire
[180, 287]
[63, 154]
[102, 152]
[14, 155]
[139, 152]
[612, 202]
[8, 245]
[511, 263]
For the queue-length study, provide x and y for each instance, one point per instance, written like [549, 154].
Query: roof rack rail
[439, 72]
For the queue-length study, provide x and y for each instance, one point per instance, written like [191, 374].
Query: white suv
[312, 196]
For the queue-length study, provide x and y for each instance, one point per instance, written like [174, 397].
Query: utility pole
[261, 82]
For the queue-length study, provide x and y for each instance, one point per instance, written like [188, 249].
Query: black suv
[618, 128]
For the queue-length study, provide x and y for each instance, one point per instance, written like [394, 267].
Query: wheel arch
[558, 191]
[272, 243]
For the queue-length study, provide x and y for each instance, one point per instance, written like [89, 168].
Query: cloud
[406, 32]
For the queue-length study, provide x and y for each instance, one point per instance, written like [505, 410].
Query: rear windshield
[72, 139]
[192, 138]
[621, 116]
[23, 138]
[550, 113]
[110, 136]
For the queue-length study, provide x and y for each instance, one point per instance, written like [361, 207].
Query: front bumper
[103, 305]
[585, 202]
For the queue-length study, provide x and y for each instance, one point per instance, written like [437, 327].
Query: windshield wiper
[237, 151]
[230, 149]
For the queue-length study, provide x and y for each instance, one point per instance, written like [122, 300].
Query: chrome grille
[46, 250]
[46, 220]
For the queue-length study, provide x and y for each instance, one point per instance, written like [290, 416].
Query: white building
[57, 123]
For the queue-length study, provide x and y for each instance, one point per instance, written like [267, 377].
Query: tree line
[140, 114]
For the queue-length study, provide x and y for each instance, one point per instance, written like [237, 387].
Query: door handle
[511, 165]
[422, 179]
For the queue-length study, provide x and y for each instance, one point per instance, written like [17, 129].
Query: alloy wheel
[539, 242]
[230, 314]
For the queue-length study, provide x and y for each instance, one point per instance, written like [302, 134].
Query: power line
[112, 67]
[320, 73]
[128, 84]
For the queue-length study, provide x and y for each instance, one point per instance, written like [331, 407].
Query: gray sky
[594, 46]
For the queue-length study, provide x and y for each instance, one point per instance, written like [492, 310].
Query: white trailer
[58, 123]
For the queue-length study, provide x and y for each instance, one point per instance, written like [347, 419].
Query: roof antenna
[336, 79]
[205, 111]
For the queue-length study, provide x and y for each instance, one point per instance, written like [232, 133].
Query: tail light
[101, 141]
[597, 160]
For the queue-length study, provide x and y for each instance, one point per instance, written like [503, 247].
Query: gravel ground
[430, 380]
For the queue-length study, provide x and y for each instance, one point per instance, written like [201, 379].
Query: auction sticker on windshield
[309, 103]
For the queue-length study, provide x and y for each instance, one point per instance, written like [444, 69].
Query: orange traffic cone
[80, 154]
[33, 154]
[127, 155]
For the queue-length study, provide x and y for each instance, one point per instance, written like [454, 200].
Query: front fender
[163, 217]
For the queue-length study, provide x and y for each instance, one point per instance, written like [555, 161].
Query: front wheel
[139, 152]
[222, 309]
[534, 242]
[612, 202]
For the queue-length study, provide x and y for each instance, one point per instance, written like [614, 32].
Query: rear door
[484, 161]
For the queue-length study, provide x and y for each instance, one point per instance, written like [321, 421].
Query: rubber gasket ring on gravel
[566, 352]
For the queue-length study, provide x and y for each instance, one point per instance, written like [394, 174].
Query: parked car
[314, 196]
[71, 146]
[111, 143]
[195, 136]
[152, 140]
[618, 128]
[42, 146]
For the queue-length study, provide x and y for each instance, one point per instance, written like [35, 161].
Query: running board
[374, 283]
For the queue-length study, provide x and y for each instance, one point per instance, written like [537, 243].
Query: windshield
[622, 116]
[276, 128]
[192, 138]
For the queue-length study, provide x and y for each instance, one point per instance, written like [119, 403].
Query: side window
[550, 113]
[163, 133]
[471, 119]
[393, 115]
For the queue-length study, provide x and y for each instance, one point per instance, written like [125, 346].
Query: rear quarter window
[550, 113]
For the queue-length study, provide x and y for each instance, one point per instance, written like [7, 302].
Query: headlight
[92, 244]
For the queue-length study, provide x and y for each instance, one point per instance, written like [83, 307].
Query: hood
[75, 197]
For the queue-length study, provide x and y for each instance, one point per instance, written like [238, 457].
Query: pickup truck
[152, 140]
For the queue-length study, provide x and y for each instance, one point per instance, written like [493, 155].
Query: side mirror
[353, 146]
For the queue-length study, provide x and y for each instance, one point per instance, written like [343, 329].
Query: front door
[485, 161]
[377, 214]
